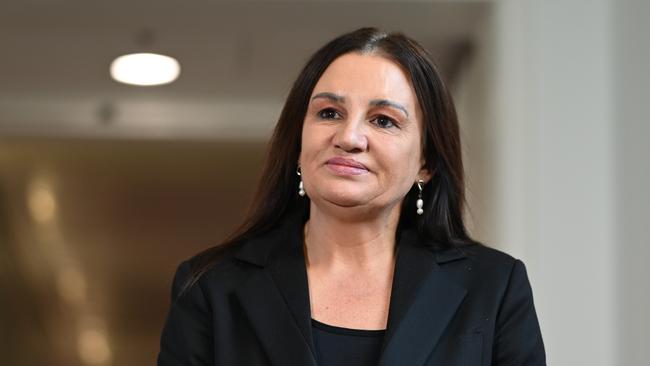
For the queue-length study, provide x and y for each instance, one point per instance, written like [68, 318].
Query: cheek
[310, 142]
[401, 159]
[401, 166]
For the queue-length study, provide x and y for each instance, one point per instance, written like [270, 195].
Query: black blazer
[463, 306]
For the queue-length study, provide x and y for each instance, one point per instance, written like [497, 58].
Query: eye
[384, 122]
[328, 113]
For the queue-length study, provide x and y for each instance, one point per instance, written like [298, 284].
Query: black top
[343, 346]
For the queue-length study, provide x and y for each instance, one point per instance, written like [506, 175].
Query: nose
[351, 135]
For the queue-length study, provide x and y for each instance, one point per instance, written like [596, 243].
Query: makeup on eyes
[339, 99]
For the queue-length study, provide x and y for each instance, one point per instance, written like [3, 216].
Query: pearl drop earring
[301, 189]
[420, 203]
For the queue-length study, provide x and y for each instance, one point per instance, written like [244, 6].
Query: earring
[420, 203]
[301, 189]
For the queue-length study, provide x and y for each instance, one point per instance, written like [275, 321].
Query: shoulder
[483, 267]
[489, 258]
[226, 266]
[476, 254]
[215, 269]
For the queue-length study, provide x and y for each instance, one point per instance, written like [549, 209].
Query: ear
[425, 174]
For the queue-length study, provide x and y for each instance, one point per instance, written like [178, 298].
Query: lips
[344, 166]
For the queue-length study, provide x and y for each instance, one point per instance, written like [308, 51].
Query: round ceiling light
[145, 69]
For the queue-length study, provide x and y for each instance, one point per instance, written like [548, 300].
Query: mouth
[342, 166]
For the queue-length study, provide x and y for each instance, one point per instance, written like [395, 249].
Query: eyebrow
[376, 102]
[388, 103]
[330, 96]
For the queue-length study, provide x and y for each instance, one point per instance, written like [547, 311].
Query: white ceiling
[55, 57]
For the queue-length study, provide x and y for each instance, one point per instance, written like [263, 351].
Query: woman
[355, 252]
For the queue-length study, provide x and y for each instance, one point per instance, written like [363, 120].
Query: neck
[342, 243]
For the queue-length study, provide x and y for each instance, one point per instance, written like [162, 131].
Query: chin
[345, 202]
[344, 199]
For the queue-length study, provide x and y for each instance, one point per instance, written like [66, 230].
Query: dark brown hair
[444, 194]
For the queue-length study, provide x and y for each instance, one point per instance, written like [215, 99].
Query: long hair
[443, 195]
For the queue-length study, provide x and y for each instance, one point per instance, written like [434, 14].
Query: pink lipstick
[343, 166]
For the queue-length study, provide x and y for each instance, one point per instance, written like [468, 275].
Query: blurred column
[631, 58]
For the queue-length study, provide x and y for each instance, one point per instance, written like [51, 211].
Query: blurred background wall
[106, 187]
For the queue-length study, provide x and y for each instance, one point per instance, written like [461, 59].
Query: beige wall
[552, 107]
[554, 166]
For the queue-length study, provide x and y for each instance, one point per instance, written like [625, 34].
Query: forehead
[367, 76]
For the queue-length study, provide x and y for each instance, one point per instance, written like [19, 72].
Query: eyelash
[329, 110]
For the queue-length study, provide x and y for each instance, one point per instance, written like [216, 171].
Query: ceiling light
[145, 69]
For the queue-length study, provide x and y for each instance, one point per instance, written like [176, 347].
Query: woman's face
[361, 138]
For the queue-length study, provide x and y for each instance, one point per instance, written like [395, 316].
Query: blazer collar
[276, 297]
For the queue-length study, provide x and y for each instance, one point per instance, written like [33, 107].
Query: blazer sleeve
[186, 336]
[518, 339]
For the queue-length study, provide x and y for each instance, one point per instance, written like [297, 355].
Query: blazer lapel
[276, 296]
[423, 301]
